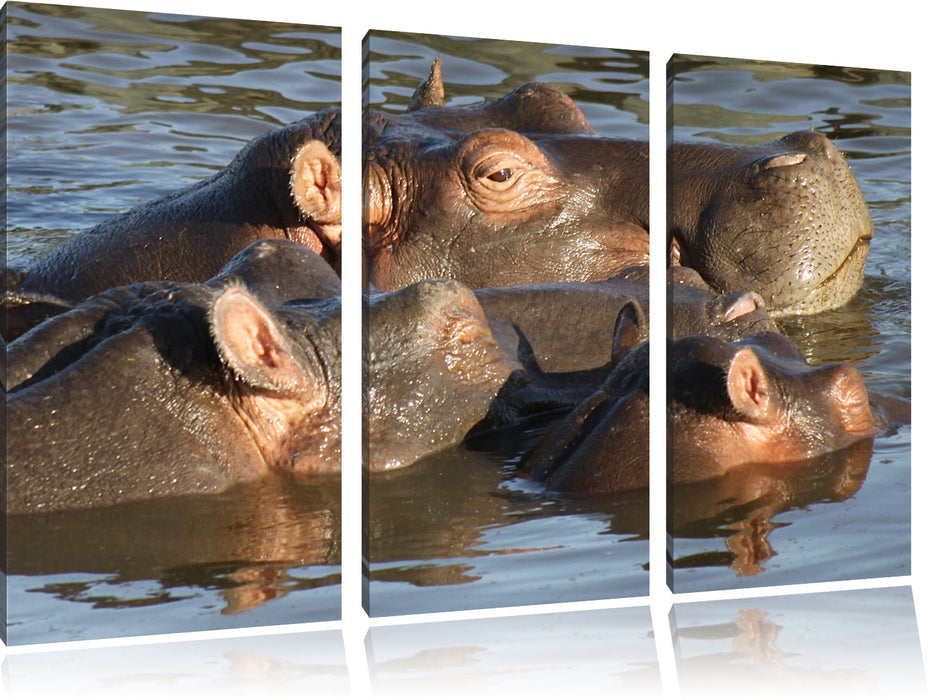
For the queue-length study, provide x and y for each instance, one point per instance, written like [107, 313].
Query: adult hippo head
[785, 219]
[519, 189]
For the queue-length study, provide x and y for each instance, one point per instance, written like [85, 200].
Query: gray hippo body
[570, 326]
[274, 271]
[730, 404]
[446, 362]
[515, 190]
[432, 369]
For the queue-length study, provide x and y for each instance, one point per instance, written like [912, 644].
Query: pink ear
[316, 183]
[259, 351]
[785, 160]
[749, 388]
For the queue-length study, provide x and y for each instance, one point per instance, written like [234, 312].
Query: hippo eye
[501, 175]
[504, 172]
[495, 174]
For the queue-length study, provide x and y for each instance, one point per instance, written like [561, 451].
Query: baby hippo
[730, 404]
[757, 401]
[432, 370]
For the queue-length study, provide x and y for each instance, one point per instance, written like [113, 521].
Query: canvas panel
[454, 517]
[137, 503]
[841, 511]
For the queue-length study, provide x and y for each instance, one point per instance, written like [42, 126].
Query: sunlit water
[851, 515]
[461, 529]
[107, 110]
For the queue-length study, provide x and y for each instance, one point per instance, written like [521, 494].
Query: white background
[894, 35]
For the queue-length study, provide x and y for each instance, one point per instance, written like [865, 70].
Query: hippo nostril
[784, 160]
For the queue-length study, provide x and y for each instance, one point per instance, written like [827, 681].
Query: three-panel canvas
[173, 342]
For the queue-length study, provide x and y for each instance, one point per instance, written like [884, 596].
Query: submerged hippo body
[176, 389]
[785, 219]
[283, 184]
[519, 189]
[753, 401]
[540, 315]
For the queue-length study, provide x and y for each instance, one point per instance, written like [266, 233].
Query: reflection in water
[830, 644]
[244, 546]
[300, 664]
[839, 643]
[609, 652]
[457, 517]
[742, 506]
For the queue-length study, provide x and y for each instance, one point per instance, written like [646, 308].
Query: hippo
[785, 219]
[275, 271]
[171, 390]
[515, 190]
[446, 362]
[731, 404]
[283, 184]
[540, 313]
[432, 369]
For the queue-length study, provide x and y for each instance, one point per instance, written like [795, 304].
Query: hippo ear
[629, 329]
[315, 182]
[258, 349]
[738, 304]
[749, 388]
[431, 92]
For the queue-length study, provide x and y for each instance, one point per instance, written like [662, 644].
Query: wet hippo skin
[432, 369]
[730, 404]
[274, 271]
[570, 325]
